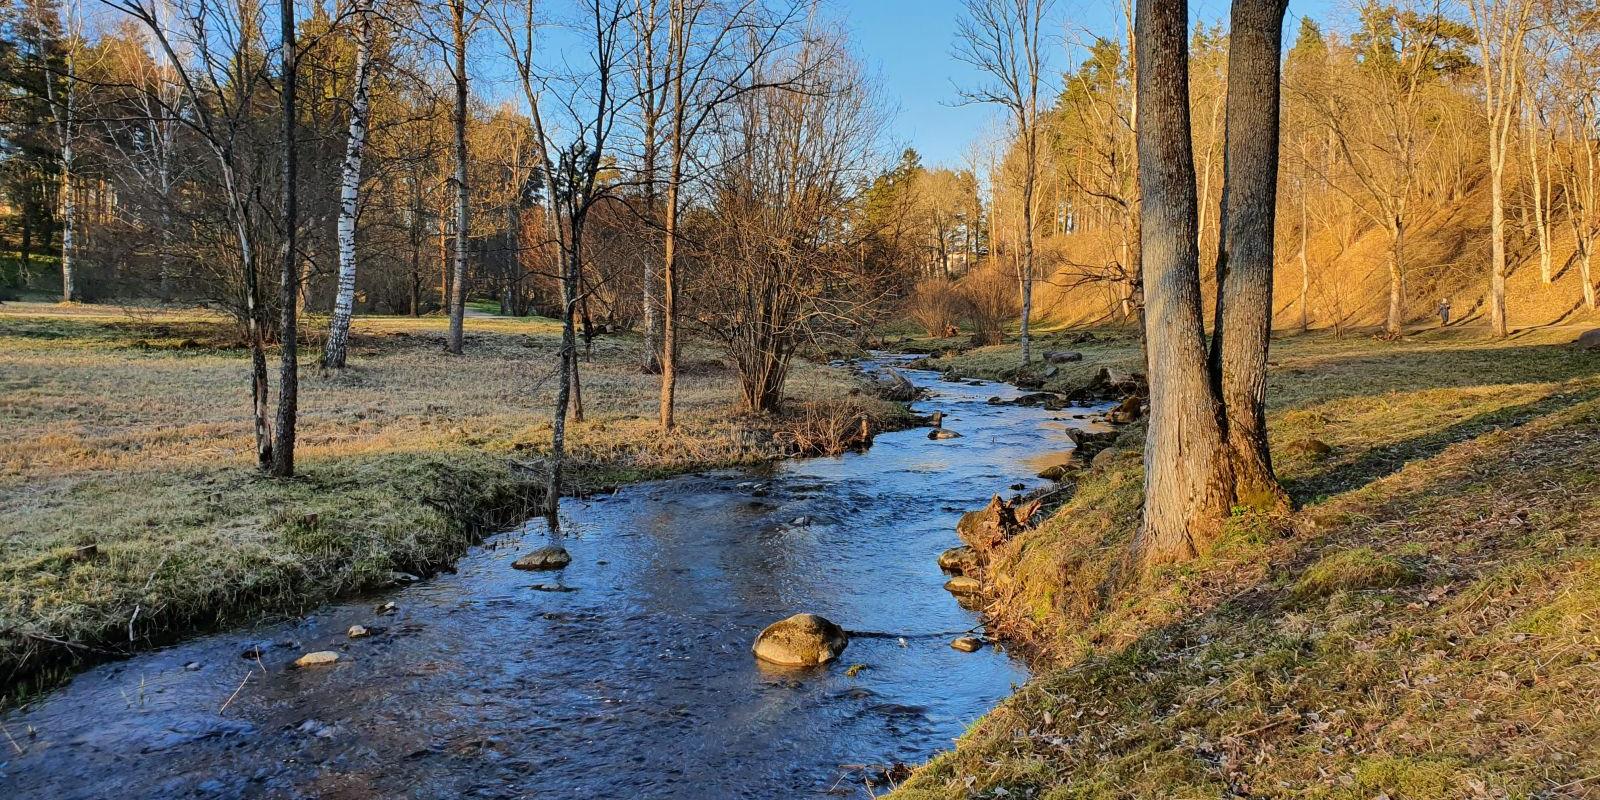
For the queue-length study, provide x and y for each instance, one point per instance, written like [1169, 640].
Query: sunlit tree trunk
[457, 300]
[1305, 261]
[1397, 277]
[349, 189]
[1187, 474]
[1247, 224]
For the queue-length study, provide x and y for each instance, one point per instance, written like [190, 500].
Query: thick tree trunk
[1187, 474]
[289, 277]
[1243, 325]
[458, 292]
[349, 192]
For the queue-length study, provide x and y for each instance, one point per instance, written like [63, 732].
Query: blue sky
[908, 44]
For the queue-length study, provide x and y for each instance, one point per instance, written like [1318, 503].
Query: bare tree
[572, 158]
[1378, 123]
[1002, 39]
[349, 190]
[221, 88]
[647, 60]
[702, 75]
[457, 300]
[61, 95]
[781, 269]
[1502, 30]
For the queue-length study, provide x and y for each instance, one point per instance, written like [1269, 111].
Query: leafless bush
[989, 299]
[827, 428]
[934, 305]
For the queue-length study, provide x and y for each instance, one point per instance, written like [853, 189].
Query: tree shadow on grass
[1344, 474]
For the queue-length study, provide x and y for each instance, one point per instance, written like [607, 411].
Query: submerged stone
[968, 644]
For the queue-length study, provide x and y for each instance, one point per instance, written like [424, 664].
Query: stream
[627, 674]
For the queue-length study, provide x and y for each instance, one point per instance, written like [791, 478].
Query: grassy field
[1427, 626]
[130, 512]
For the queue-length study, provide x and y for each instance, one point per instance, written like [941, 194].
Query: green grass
[1426, 627]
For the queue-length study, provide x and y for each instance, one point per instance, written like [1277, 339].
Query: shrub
[934, 304]
[989, 299]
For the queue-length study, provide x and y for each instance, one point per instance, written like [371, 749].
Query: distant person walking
[1444, 312]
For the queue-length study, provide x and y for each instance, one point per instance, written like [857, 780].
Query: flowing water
[627, 674]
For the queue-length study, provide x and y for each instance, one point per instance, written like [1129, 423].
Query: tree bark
[69, 206]
[1397, 277]
[457, 300]
[1305, 261]
[289, 277]
[349, 193]
[1497, 238]
[1187, 474]
[1246, 225]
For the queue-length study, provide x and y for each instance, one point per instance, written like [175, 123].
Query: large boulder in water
[548, 557]
[891, 385]
[803, 640]
[960, 560]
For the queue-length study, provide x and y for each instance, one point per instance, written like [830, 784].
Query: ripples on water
[625, 675]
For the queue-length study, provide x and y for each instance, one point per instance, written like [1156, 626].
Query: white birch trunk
[349, 195]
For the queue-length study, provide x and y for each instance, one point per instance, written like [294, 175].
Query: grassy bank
[130, 514]
[1427, 626]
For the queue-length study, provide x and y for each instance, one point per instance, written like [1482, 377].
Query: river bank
[627, 672]
[1422, 628]
[130, 514]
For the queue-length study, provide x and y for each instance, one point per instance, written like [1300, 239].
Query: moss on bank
[129, 513]
[1427, 627]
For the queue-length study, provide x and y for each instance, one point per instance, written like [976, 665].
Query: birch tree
[349, 190]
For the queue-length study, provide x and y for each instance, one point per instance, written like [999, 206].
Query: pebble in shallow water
[317, 659]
